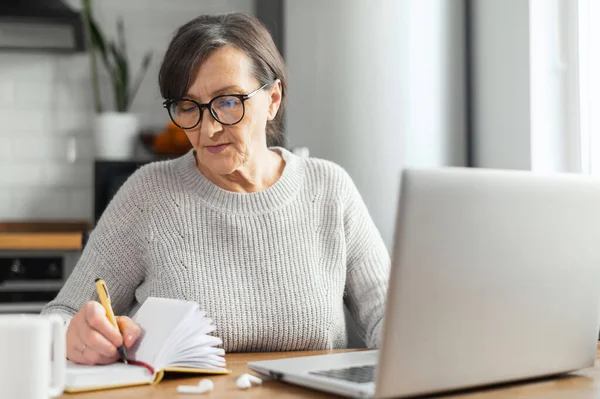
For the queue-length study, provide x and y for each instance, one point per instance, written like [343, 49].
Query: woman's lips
[215, 149]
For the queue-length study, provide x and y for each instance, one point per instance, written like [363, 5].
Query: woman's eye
[182, 109]
[227, 103]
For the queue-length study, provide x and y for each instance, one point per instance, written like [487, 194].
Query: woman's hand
[91, 339]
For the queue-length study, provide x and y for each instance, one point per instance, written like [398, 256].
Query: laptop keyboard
[358, 374]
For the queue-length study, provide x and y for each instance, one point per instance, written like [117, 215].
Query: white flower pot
[116, 135]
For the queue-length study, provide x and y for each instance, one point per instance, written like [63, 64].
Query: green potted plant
[116, 129]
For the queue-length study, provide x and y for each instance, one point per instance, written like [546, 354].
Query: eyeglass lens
[227, 110]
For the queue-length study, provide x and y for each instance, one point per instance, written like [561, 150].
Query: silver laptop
[495, 278]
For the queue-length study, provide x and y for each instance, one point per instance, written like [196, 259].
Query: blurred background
[375, 86]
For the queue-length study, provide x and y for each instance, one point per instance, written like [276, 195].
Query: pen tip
[123, 353]
[96, 280]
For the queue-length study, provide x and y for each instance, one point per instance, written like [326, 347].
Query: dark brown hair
[195, 40]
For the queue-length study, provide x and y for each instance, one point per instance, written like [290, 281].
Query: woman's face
[223, 149]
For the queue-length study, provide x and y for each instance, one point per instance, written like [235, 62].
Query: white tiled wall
[45, 101]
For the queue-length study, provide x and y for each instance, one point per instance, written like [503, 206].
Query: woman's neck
[253, 176]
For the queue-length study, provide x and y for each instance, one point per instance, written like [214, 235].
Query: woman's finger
[79, 352]
[75, 346]
[93, 340]
[95, 317]
[130, 331]
[94, 357]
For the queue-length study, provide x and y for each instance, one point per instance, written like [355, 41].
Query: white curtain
[588, 33]
[534, 71]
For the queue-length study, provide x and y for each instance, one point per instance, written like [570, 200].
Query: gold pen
[102, 290]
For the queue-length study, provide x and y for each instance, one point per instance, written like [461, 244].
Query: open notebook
[175, 337]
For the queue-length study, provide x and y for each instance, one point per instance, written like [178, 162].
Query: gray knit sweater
[273, 269]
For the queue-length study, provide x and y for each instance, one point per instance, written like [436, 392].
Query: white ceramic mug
[32, 353]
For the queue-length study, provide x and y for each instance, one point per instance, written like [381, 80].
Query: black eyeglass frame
[201, 107]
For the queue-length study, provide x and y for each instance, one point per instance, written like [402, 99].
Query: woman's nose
[209, 125]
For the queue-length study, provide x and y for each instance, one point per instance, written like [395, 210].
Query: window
[588, 31]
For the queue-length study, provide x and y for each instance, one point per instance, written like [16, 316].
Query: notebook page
[179, 337]
[81, 376]
[196, 347]
[207, 358]
[210, 362]
[158, 318]
[194, 327]
[190, 339]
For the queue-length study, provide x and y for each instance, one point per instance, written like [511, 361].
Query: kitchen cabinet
[35, 261]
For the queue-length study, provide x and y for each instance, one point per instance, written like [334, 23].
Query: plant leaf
[121, 36]
[87, 13]
[140, 76]
[98, 38]
[121, 77]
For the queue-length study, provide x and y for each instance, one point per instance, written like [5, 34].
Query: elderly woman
[270, 245]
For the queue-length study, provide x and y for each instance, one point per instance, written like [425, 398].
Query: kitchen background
[46, 106]
[51, 175]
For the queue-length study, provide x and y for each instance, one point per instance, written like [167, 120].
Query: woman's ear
[275, 97]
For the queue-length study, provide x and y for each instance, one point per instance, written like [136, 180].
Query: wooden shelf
[44, 226]
[40, 241]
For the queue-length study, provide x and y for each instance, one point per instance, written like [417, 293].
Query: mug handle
[59, 356]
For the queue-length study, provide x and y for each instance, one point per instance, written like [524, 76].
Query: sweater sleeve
[368, 264]
[114, 252]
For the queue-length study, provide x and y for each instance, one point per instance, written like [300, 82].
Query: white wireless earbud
[253, 379]
[206, 384]
[202, 387]
[243, 382]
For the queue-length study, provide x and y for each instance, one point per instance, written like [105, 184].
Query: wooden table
[582, 384]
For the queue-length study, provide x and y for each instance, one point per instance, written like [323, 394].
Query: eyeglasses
[227, 109]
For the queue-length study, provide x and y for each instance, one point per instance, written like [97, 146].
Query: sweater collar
[273, 197]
